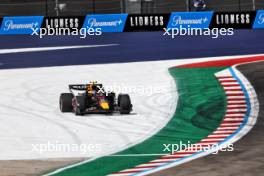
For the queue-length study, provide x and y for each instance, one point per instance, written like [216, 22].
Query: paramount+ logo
[94, 23]
[178, 20]
[20, 24]
[108, 23]
[259, 20]
[190, 20]
[11, 25]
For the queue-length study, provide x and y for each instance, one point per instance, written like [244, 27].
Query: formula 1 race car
[92, 98]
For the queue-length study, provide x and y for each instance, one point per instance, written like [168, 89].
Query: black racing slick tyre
[66, 102]
[80, 105]
[111, 101]
[124, 104]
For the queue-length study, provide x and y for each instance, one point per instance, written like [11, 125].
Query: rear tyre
[66, 102]
[124, 104]
[80, 105]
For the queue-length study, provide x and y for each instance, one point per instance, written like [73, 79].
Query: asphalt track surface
[132, 47]
[248, 156]
[32, 167]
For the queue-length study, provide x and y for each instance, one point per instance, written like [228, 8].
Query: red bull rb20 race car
[92, 98]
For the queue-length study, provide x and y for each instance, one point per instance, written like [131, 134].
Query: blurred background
[84, 7]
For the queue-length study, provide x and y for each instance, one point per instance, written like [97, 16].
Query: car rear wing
[78, 86]
[84, 86]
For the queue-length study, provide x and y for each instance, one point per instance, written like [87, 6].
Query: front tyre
[124, 104]
[111, 100]
[66, 102]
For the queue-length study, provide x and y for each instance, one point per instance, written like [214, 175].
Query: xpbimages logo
[58, 147]
[215, 148]
[82, 32]
[182, 31]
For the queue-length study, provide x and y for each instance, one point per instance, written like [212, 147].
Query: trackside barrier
[135, 22]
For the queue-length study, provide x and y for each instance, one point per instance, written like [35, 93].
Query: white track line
[38, 49]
